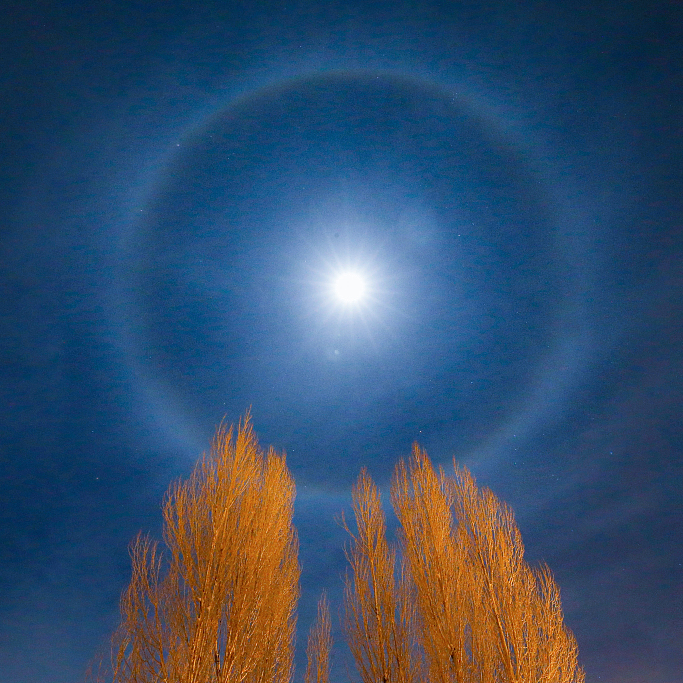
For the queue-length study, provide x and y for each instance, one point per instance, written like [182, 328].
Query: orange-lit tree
[319, 645]
[464, 607]
[219, 604]
[378, 619]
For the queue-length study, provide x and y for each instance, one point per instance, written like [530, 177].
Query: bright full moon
[349, 287]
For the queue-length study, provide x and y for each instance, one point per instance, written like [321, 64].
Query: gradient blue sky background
[180, 182]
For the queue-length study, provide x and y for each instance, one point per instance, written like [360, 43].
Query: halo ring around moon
[549, 378]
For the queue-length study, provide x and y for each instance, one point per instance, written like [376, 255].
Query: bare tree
[219, 604]
[520, 632]
[319, 645]
[377, 623]
[479, 613]
[434, 558]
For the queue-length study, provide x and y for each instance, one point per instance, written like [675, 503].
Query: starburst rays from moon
[348, 297]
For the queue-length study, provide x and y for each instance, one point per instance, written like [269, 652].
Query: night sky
[182, 182]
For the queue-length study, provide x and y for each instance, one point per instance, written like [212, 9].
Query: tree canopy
[452, 601]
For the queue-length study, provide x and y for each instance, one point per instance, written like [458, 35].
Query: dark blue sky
[180, 183]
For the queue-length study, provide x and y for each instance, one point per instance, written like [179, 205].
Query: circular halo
[159, 384]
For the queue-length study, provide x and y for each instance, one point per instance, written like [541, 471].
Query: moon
[349, 287]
